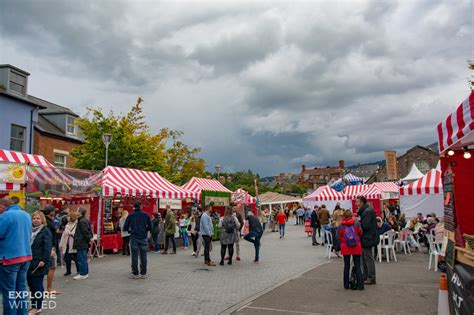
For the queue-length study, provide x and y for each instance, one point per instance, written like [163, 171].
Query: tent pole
[99, 225]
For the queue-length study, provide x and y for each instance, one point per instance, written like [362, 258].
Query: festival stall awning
[240, 196]
[382, 190]
[430, 183]
[337, 185]
[270, 198]
[457, 130]
[196, 184]
[353, 180]
[23, 158]
[132, 182]
[414, 174]
[352, 192]
[325, 193]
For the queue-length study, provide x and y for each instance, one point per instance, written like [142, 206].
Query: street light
[106, 138]
[218, 170]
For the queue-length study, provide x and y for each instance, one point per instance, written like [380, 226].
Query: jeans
[368, 263]
[264, 225]
[185, 239]
[301, 219]
[231, 252]
[315, 231]
[326, 227]
[156, 244]
[68, 258]
[138, 247]
[169, 238]
[254, 237]
[200, 241]
[82, 262]
[13, 279]
[36, 285]
[282, 230]
[207, 247]
[126, 245]
[194, 239]
[347, 267]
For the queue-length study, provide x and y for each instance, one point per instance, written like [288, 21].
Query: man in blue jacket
[138, 224]
[15, 256]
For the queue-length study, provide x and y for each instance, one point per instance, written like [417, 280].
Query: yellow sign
[12, 173]
[391, 164]
[21, 195]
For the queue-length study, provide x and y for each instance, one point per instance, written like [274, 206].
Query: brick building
[313, 178]
[425, 158]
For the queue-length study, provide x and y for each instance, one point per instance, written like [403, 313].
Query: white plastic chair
[402, 241]
[413, 237]
[329, 244]
[434, 251]
[387, 242]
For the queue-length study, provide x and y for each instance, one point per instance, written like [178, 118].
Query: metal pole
[106, 155]
[99, 225]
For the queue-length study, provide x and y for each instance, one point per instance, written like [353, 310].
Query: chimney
[303, 168]
[342, 164]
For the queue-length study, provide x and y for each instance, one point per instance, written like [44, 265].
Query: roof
[353, 179]
[196, 184]
[325, 193]
[45, 126]
[132, 182]
[321, 170]
[352, 192]
[375, 190]
[430, 183]
[414, 173]
[14, 68]
[24, 158]
[24, 100]
[457, 129]
[50, 108]
[276, 198]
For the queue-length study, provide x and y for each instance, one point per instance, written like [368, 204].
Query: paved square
[182, 284]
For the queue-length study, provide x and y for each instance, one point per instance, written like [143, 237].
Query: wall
[15, 112]
[44, 145]
[406, 161]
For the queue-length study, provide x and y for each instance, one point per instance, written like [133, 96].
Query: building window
[60, 160]
[70, 125]
[17, 138]
[17, 82]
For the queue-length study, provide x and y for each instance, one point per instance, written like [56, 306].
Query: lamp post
[218, 170]
[106, 138]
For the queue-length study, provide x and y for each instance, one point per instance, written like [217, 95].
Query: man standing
[155, 231]
[49, 214]
[314, 225]
[368, 223]
[138, 224]
[207, 231]
[255, 234]
[324, 221]
[170, 230]
[15, 256]
[82, 237]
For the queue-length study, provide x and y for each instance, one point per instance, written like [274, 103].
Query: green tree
[135, 146]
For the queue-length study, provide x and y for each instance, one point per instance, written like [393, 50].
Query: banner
[461, 286]
[218, 201]
[173, 203]
[12, 173]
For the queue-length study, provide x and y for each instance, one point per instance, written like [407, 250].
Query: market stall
[378, 193]
[352, 192]
[327, 196]
[413, 175]
[353, 180]
[121, 187]
[272, 199]
[456, 147]
[424, 195]
[210, 190]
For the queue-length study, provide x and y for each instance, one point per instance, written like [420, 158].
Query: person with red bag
[349, 235]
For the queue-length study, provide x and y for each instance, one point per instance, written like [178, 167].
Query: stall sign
[461, 285]
[218, 201]
[21, 195]
[172, 203]
[12, 173]
[390, 195]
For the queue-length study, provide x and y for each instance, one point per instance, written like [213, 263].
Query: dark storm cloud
[284, 83]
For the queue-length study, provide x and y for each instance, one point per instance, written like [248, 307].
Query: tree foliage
[133, 145]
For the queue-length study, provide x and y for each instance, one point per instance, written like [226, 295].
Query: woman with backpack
[349, 235]
[229, 234]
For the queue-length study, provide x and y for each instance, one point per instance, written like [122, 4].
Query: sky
[258, 85]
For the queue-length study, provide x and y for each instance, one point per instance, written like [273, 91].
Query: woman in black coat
[39, 265]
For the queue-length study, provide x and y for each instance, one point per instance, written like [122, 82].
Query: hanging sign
[218, 201]
[172, 203]
[12, 173]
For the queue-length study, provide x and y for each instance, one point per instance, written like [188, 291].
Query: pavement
[405, 287]
[181, 284]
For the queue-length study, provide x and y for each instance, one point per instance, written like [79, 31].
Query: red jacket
[346, 250]
[281, 218]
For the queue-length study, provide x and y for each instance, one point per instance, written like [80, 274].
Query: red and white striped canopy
[375, 190]
[352, 192]
[430, 183]
[10, 186]
[458, 128]
[325, 193]
[23, 158]
[240, 196]
[132, 182]
[196, 185]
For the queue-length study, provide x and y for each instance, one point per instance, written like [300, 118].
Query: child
[183, 226]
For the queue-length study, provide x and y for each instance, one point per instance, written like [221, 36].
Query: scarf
[36, 230]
